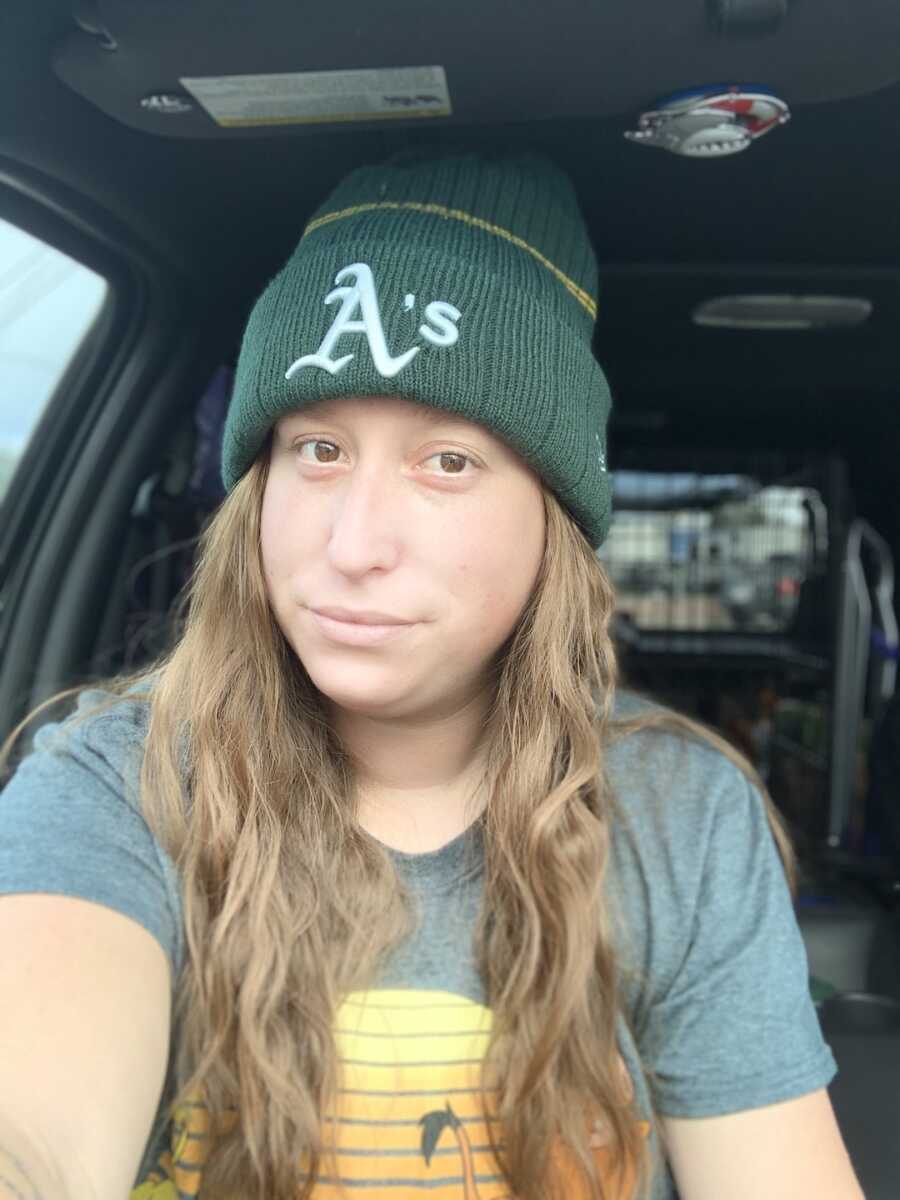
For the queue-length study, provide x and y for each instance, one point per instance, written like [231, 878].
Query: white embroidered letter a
[360, 296]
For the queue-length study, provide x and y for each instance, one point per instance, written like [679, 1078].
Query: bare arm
[777, 1152]
[26, 1169]
[84, 1041]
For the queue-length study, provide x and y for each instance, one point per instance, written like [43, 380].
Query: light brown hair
[246, 786]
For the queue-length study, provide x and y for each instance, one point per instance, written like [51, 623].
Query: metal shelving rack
[862, 684]
[826, 651]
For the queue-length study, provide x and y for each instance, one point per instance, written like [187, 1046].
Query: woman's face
[385, 505]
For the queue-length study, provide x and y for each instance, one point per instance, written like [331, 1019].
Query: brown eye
[318, 442]
[451, 462]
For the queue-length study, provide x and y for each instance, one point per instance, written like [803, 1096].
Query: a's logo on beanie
[361, 298]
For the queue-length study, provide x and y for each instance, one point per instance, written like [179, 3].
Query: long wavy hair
[289, 905]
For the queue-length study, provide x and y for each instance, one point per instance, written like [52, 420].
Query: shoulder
[692, 854]
[72, 822]
[665, 765]
[105, 734]
[680, 803]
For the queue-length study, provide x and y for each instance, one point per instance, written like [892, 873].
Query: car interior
[735, 163]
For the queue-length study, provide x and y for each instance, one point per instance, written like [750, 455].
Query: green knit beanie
[464, 281]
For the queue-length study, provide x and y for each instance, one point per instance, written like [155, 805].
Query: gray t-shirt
[715, 974]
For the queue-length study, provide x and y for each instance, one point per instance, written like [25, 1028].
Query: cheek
[278, 532]
[496, 580]
[268, 540]
[516, 544]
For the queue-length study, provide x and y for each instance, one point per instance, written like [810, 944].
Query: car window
[48, 303]
[712, 553]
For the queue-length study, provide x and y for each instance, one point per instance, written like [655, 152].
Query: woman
[452, 904]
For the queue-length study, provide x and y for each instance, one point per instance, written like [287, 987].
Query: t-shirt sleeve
[70, 823]
[736, 1027]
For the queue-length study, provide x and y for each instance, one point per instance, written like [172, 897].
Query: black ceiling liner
[812, 208]
[506, 60]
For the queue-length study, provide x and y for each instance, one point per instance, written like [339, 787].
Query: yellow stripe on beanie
[457, 214]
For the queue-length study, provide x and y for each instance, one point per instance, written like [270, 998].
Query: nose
[366, 522]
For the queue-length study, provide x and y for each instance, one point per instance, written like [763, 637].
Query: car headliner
[811, 207]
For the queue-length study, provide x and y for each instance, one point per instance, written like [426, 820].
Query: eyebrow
[441, 416]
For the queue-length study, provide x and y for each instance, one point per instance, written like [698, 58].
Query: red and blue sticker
[712, 121]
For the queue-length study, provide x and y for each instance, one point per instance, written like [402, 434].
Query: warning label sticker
[308, 97]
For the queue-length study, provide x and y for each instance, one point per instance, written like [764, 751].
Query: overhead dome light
[782, 312]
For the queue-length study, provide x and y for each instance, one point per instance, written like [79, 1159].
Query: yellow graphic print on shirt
[410, 1115]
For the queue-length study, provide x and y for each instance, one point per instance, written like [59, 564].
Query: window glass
[712, 552]
[48, 302]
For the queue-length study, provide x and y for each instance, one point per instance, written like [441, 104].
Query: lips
[360, 633]
[361, 617]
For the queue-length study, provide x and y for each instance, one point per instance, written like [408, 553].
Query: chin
[358, 685]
